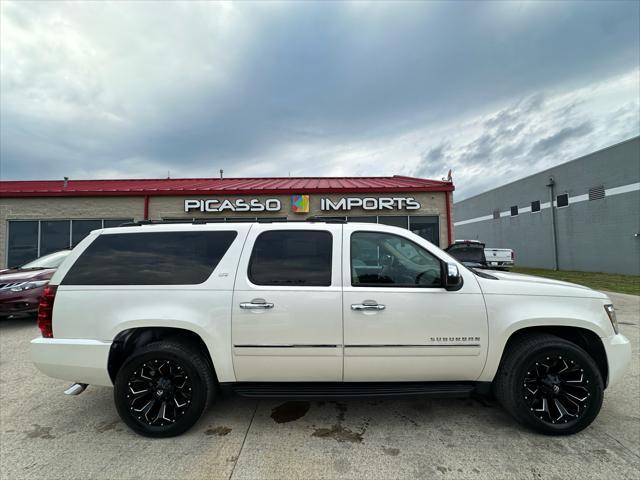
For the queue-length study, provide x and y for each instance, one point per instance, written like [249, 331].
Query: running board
[349, 389]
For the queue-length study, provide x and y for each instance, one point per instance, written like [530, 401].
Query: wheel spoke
[556, 389]
[159, 392]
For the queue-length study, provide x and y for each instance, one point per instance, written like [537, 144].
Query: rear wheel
[163, 388]
[549, 384]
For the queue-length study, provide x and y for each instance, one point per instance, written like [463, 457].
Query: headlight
[611, 312]
[29, 285]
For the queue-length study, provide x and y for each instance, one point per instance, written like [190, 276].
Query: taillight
[45, 311]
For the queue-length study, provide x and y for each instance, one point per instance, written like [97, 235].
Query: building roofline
[218, 186]
[550, 168]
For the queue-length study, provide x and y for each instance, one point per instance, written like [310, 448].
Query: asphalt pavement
[46, 435]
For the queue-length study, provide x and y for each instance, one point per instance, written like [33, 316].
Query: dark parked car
[21, 287]
[468, 252]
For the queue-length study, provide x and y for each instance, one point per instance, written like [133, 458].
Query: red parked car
[21, 287]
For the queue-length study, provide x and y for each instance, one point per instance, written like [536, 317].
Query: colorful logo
[300, 203]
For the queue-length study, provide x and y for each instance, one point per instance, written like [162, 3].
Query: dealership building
[581, 215]
[40, 217]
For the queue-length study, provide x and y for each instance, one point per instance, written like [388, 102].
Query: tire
[535, 393]
[163, 388]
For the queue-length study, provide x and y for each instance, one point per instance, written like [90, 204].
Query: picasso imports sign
[300, 204]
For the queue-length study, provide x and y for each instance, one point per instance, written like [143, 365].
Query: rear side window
[291, 258]
[162, 258]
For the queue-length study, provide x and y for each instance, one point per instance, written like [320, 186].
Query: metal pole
[551, 185]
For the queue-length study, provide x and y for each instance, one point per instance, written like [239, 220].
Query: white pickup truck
[173, 315]
[473, 253]
[499, 257]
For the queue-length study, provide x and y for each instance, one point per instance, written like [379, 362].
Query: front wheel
[163, 388]
[549, 384]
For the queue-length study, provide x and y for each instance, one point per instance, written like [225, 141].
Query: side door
[400, 323]
[287, 304]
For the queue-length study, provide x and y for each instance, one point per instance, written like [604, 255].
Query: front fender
[508, 314]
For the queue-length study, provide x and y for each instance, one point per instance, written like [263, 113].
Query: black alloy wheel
[163, 388]
[556, 388]
[159, 392]
[549, 384]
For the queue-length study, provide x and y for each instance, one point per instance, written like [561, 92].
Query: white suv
[172, 315]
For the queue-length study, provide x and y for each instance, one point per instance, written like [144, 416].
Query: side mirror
[453, 280]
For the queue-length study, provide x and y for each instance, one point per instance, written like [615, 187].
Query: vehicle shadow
[15, 324]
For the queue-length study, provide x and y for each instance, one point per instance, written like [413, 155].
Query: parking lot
[47, 435]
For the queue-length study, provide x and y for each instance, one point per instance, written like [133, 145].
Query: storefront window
[427, 227]
[23, 243]
[54, 236]
[393, 220]
[82, 228]
[371, 219]
[31, 239]
[117, 222]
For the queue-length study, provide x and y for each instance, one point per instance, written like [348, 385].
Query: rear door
[287, 304]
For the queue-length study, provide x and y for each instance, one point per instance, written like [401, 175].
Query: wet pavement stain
[394, 452]
[40, 432]
[289, 411]
[338, 433]
[106, 426]
[342, 409]
[220, 431]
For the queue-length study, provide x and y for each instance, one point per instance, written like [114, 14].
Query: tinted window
[82, 228]
[54, 236]
[562, 200]
[535, 206]
[471, 253]
[372, 219]
[23, 243]
[514, 210]
[162, 258]
[285, 257]
[385, 260]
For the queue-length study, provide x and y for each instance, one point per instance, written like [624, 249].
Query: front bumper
[618, 349]
[76, 360]
[20, 304]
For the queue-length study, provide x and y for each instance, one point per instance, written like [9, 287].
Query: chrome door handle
[256, 304]
[364, 306]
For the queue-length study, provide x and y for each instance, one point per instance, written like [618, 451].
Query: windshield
[53, 260]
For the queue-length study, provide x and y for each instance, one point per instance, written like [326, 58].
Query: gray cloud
[556, 140]
[119, 89]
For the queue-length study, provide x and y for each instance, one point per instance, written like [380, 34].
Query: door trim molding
[389, 345]
[286, 345]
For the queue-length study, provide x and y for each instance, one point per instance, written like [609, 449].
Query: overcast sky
[493, 91]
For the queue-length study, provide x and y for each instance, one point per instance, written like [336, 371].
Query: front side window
[158, 258]
[292, 258]
[387, 260]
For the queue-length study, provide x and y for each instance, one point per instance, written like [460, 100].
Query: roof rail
[325, 220]
[202, 221]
